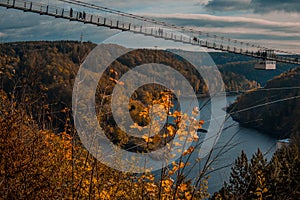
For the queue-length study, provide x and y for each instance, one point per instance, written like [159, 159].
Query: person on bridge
[160, 31]
[83, 15]
[71, 12]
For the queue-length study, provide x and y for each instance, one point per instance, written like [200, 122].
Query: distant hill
[244, 66]
[272, 110]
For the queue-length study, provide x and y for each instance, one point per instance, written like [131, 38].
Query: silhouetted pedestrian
[83, 15]
[160, 31]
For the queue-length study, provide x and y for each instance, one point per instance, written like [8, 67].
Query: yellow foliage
[147, 139]
[171, 130]
[56, 166]
[182, 187]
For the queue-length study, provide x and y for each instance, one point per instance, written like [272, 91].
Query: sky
[271, 23]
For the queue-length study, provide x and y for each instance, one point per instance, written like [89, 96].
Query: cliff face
[274, 109]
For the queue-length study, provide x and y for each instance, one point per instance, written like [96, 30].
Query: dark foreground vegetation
[259, 179]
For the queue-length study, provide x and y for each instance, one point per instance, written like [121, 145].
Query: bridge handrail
[145, 29]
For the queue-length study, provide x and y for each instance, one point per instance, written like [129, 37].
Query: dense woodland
[279, 113]
[42, 157]
[43, 73]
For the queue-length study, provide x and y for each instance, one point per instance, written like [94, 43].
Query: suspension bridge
[106, 17]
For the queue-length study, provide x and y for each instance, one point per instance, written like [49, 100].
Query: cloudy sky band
[275, 22]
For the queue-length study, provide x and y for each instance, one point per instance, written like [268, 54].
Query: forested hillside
[42, 73]
[276, 108]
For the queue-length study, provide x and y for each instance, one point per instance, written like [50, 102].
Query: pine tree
[278, 179]
[240, 177]
[247, 180]
[258, 188]
[239, 181]
[284, 173]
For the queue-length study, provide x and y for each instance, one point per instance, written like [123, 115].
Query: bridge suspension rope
[172, 26]
[144, 25]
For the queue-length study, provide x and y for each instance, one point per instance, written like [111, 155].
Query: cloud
[230, 20]
[142, 5]
[284, 45]
[248, 31]
[265, 6]
[19, 26]
[246, 28]
[282, 26]
[257, 6]
[11, 19]
[228, 5]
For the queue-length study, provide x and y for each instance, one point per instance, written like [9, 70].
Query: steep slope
[41, 75]
[274, 109]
